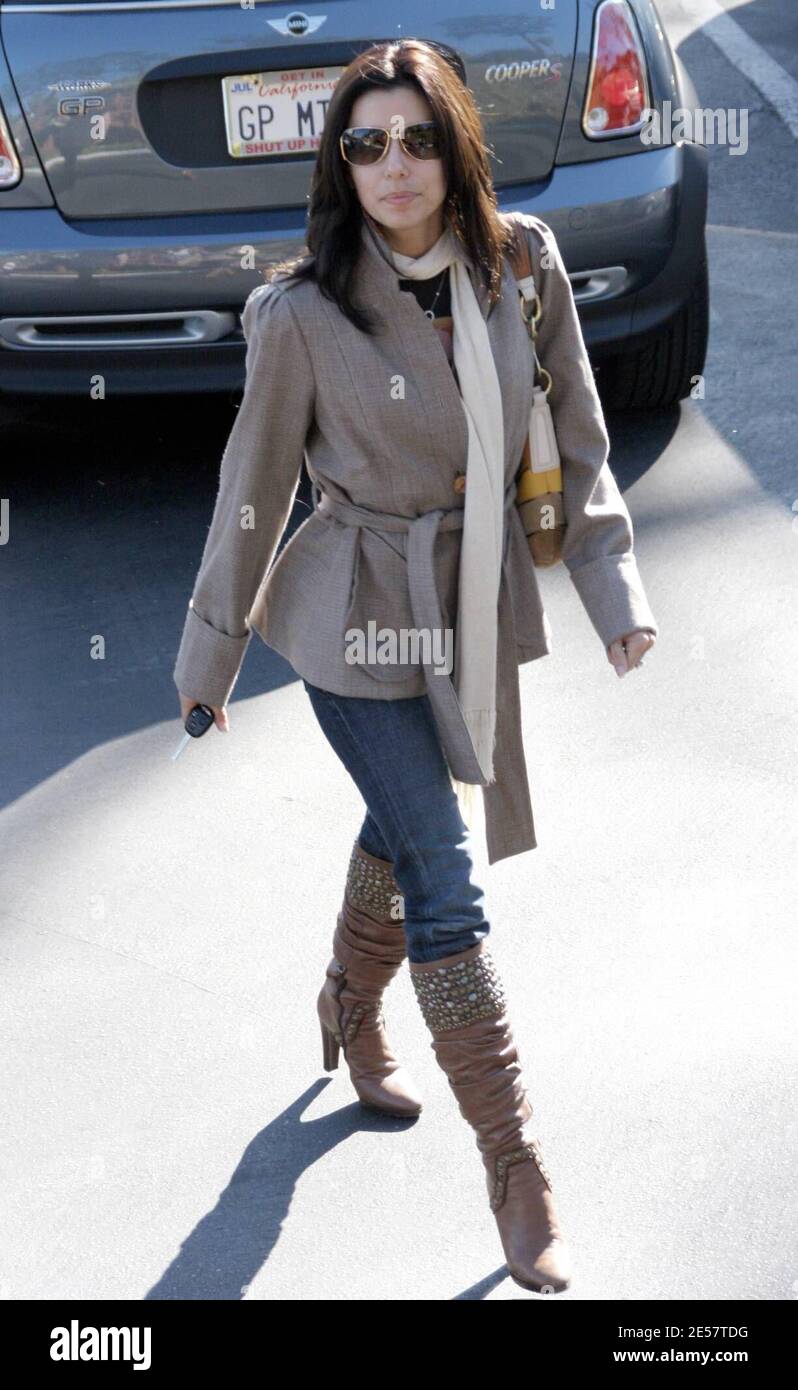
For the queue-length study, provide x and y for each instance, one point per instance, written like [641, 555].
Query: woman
[408, 598]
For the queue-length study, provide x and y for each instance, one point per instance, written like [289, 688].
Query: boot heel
[330, 1048]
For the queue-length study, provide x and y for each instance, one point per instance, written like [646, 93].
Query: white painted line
[778, 88]
[752, 231]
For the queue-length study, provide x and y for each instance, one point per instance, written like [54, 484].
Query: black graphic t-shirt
[425, 292]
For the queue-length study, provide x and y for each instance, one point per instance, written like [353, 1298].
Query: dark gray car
[155, 157]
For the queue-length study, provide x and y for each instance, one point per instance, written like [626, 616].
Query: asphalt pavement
[169, 1132]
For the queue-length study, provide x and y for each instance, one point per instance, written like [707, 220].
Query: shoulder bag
[540, 492]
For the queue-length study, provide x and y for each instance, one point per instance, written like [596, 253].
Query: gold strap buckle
[531, 310]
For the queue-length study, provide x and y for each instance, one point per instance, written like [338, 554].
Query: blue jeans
[392, 751]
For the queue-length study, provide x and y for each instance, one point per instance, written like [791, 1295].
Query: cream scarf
[474, 675]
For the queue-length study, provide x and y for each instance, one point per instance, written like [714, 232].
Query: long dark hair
[335, 214]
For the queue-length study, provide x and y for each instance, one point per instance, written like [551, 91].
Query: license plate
[277, 113]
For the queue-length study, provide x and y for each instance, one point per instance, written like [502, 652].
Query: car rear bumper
[649, 235]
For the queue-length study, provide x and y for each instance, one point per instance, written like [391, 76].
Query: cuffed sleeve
[258, 479]
[599, 538]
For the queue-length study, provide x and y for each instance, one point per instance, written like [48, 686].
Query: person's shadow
[221, 1257]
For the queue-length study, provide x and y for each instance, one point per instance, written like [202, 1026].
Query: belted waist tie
[509, 823]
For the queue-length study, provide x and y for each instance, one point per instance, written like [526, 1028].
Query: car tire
[661, 372]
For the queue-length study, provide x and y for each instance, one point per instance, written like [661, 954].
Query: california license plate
[277, 113]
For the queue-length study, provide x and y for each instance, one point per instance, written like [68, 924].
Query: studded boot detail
[369, 948]
[464, 1006]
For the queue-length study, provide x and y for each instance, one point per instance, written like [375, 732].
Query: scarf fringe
[479, 723]
[466, 793]
[482, 725]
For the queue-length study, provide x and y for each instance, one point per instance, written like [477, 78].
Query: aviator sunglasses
[369, 144]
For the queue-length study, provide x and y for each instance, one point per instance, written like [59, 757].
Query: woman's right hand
[219, 713]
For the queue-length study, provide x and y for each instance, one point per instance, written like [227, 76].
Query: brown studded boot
[368, 949]
[464, 1007]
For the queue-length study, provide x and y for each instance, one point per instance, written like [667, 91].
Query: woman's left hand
[629, 650]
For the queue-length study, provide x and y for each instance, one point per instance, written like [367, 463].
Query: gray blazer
[384, 436]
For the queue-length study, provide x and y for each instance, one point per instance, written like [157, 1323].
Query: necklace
[430, 313]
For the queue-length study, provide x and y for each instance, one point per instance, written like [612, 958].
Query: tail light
[10, 171]
[617, 89]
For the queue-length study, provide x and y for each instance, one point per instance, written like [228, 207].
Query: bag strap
[529, 301]
[521, 262]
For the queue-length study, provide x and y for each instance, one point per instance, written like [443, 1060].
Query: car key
[198, 722]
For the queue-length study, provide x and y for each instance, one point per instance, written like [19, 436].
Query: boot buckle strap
[356, 1018]
[530, 1150]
